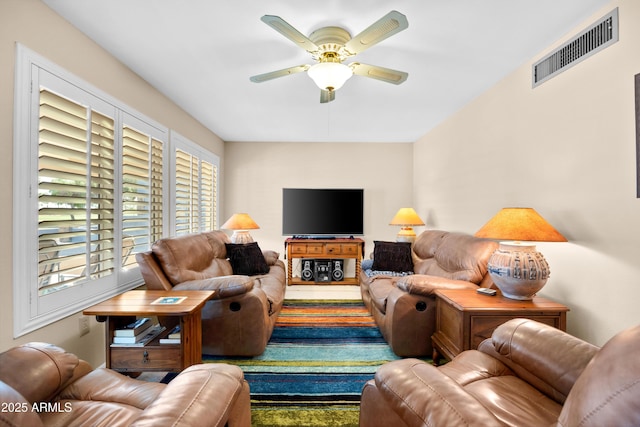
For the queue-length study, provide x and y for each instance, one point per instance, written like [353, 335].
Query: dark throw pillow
[246, 259]
[392, 256]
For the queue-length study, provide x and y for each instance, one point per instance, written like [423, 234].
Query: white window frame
[179, 142]
[32, 311]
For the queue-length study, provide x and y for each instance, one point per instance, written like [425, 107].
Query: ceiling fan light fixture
[330, 75]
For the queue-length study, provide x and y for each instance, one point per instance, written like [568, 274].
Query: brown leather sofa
[42, 385]
[404, 306]
[526, 374]
[241, 317]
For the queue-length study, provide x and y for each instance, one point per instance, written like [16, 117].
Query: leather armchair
[241, 317]
[42, 385]
[404, 307]
[526, 374]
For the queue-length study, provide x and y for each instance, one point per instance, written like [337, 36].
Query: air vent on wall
[595, 38]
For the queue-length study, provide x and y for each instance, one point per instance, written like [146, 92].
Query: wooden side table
[465, 318]
[124, 308]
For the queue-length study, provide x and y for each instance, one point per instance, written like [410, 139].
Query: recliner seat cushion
[379, 290]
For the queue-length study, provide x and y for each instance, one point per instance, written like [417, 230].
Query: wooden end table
[464, 318]
[125, 308]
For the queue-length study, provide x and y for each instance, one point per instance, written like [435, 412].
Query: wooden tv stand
[323, 249]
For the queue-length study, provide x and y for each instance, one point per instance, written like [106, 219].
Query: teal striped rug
[312, 372]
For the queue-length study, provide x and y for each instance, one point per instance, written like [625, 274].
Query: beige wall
[33, 24]
[256, 173]
[567, 149]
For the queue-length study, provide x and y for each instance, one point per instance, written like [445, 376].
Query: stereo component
[337, 270]
[322, 268]
[307, 273]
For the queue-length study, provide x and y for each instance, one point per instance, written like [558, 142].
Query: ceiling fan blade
[390, 24]
[379, 73]
[327, 96]
[279, 73]
[284, 28]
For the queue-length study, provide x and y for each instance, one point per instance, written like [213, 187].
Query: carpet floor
[312, 372]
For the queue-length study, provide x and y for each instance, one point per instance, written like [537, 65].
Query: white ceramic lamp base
[406, 234]
[518, 270]
[241, 236]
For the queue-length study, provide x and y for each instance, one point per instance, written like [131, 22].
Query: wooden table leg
[436, 356]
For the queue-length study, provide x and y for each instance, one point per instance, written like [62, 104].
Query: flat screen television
[322, 212]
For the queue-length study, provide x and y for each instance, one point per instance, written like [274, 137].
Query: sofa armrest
[422, 395]
[202, 395]
[426, 285]
[225, 286]
[271, 257]
[547, 358]
[20, 413]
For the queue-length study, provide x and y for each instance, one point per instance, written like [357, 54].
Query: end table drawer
[146, 358]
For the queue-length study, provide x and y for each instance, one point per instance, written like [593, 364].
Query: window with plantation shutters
[75, 193]
[195, 174]
[95, 183]
[142, 193]
[90, 191]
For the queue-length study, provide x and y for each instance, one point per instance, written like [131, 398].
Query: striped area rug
[311, 374]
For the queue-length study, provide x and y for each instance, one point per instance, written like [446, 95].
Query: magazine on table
[168, 300]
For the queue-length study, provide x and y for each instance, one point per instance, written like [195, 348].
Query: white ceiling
[201, 53]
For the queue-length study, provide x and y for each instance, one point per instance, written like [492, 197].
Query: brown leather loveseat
[42, 385]
[404, 306]
[250, 286]
[526, 374]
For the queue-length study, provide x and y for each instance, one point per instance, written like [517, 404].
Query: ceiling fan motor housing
[330, 41]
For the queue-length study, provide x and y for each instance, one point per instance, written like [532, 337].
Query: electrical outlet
[84, 325]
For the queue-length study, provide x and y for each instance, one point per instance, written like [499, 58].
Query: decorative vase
[518, 270]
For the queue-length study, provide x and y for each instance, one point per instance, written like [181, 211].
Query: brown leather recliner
[526, 374]
[42, 385]
[240, 319]
[404, 307]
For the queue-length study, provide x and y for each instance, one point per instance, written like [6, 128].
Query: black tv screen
[322, 212]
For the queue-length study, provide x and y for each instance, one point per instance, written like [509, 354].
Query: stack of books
[173, 337]
[136, 334]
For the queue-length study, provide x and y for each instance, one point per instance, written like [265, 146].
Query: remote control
[486, 291]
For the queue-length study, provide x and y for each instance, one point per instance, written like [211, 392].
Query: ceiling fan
[330, 46]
